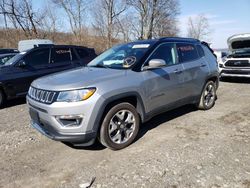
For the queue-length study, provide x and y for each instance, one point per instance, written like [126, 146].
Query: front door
[162, 86]
[36, 65]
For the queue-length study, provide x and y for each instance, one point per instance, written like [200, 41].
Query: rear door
[163, 86]
[195, 69]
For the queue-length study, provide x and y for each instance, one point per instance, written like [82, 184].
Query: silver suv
[121, 89]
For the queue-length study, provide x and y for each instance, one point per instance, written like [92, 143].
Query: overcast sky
[226, 17]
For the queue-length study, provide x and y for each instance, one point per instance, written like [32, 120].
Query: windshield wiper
[100, 66]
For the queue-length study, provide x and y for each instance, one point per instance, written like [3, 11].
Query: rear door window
[187, 52]
[61, 55]
[38, 57]
[200, 51]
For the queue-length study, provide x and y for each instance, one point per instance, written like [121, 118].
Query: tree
[155, 17]
[107, 18]
[198, 27]
[22, 15]
[51, 23]
[75, 11]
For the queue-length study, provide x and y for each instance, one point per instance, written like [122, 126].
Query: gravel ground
[181, 148]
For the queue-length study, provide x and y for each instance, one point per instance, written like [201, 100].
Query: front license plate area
[34, 116]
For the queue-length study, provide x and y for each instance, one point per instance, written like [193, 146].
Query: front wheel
[120, 126]
[208, 96]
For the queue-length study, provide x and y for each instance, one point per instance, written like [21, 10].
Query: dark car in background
[17, 74]
[6, 57]
[8, 51]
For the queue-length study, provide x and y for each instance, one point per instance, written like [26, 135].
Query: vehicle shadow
[163, 118]
[97, 146]
[14, 102]
[236, 80]
[145, 127]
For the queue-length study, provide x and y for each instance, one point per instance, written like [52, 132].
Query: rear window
[61, 55]
[187, 52]
[200, 51]
[82, 52]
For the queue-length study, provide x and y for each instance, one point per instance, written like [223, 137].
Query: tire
[208, 96]
[120, 126]
[2, 98]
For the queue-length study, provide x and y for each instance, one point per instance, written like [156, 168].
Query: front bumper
[44, 119]
[85, 139]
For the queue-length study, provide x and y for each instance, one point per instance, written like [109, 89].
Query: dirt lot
[181, 148]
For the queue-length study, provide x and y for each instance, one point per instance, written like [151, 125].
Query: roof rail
[179, 38]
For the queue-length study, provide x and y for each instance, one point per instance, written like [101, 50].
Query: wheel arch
[131, 97]
[215, 79]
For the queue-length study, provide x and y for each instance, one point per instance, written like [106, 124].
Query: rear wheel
[120, 126]
[208, 96]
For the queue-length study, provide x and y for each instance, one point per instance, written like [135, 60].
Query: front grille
[43, 96]
[237, 63]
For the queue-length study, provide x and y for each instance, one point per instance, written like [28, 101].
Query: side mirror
[21, 64]
[155, 63]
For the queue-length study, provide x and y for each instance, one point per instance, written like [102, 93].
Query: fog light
[70, 120]
[221, 65]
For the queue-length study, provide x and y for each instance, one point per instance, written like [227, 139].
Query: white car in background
[221, 55]
[237, 64]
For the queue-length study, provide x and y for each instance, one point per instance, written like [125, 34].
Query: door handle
[177, 71]
[203, 65]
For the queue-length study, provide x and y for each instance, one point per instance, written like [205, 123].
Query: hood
[239, 42]
[77, 78]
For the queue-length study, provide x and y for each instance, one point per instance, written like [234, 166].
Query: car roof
[168, 39]
[179, 39]
[8, 50]
[9, 54]
[65, 46]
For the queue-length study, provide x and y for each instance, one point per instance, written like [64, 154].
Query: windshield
[4, 59]
[121, 56]
[242, 51]
[14, 59]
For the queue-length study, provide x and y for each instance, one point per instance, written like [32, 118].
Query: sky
[226, 18]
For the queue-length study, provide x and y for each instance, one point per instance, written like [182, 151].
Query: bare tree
[124, 28]
[22, 15]
[198, 27]
[107, 17]
[153, 14]
[75, 11]
[51, 22]
[2, 7]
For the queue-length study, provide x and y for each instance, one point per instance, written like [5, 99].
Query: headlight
[75, 95]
